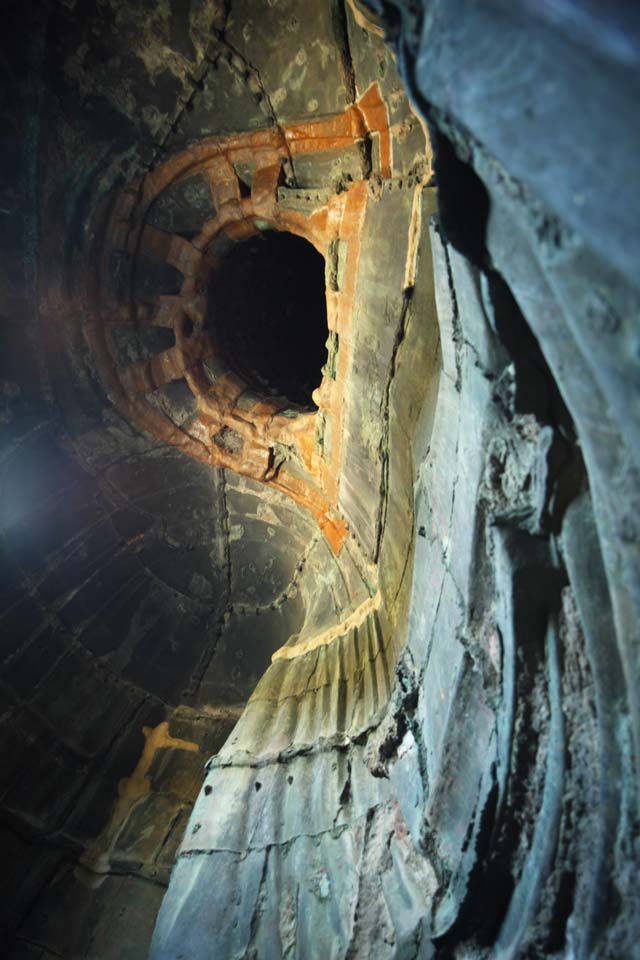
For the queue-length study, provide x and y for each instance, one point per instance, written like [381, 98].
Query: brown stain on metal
[131, 791]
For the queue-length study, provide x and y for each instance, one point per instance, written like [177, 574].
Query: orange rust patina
[279, 450]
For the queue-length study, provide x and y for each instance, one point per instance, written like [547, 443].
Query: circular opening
[268, 308]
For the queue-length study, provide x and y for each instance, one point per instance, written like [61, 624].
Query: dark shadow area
[463, 201]
[268, 309]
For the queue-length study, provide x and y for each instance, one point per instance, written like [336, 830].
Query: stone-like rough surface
[522, 194]
[303, 821]
[144, 593]
[352, 681]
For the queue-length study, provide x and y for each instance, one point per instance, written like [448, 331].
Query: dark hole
[257, 785]
[267, 305]
[563, 908]
[207, 790]
[463, 202]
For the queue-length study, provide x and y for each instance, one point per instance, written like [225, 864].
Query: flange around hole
[267, 311]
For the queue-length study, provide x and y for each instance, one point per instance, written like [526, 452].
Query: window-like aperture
[267, 306]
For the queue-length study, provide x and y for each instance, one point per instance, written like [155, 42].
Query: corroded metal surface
[279, 446]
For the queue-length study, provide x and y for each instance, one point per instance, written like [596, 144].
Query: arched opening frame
[298, 452]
